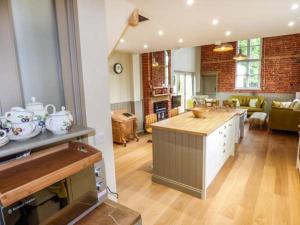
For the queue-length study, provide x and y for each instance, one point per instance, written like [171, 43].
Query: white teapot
[40, 112]
[60, 122]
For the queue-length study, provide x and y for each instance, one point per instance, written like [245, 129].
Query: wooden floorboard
[258, 186]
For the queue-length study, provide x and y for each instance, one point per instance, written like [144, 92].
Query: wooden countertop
[187, 123]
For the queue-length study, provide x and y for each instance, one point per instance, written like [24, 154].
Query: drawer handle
[224, 144]
[220, 132]
[225, 135]
[224, 151]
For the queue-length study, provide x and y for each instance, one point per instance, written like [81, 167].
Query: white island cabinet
[188, 152]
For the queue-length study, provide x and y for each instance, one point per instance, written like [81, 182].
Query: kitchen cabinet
[188, 153]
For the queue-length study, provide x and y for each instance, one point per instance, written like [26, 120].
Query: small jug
[60, 122]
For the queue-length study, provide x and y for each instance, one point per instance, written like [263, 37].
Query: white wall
[37, 50]
[117, 14]
[187, 60]
[137, 77]
[121, 85]
[93, 41]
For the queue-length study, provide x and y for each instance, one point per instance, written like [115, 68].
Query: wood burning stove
[161, 109]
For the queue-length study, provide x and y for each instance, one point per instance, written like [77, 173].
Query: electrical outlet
[99, 138]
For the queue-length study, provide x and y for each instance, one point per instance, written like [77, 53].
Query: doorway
[209, 84]
[184, 85]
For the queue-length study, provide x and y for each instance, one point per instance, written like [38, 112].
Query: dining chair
[149, 119]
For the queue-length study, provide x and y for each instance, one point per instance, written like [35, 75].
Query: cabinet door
[214, 155]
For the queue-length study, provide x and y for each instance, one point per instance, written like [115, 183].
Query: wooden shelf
[42, 140]
[21, 178]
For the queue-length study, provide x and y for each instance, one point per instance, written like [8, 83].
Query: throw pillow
[297, 106]
[285, 105]
[253, 102]
[276, 104]
[237, 102]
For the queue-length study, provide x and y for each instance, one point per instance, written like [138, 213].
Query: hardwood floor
[260, 185]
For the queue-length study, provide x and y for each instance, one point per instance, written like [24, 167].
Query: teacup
[2, 134]
[19, 115]
[22, 129]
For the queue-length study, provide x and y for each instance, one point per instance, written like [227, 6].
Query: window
[248, 71]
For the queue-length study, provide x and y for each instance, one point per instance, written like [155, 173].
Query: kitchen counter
[187, 123]
[189, 152]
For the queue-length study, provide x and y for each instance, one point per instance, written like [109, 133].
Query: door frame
[209, 74]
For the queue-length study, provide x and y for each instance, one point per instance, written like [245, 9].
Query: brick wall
[280, 65]
[153, 77]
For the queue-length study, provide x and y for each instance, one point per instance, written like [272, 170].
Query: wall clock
[118, 68]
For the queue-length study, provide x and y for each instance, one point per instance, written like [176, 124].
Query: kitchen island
[189, 152]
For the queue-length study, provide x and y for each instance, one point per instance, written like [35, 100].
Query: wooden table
[124, 128]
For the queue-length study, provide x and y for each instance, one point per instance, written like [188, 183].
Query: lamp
[223, 48]
[154, 63]
[297, 95]
[240, 56]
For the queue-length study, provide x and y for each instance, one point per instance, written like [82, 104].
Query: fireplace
[161, 109]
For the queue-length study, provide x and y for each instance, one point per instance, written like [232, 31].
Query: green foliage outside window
[248, 71]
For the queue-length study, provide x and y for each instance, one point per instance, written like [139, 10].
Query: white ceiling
[244, 18]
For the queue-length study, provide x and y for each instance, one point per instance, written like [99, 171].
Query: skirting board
[179, 186]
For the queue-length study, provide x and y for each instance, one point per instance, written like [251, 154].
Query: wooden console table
[123, 127]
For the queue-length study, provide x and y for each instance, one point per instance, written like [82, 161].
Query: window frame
[248, 61]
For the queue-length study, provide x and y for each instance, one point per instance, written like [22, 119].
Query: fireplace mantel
[160, 98]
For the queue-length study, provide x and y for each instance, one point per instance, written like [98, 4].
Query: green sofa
[244, 103]
[284, 119]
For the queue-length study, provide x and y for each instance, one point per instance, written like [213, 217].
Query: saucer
[4, 141]
[13, 137]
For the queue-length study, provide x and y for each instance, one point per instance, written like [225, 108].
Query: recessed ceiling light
[122, 40]
[160, 33]
[180, 40]
[228, 33]
[291, 23]
[215, 22]
[145, 46]
[189, 2]
[294, 6]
